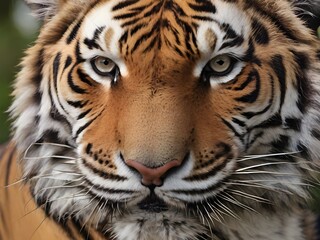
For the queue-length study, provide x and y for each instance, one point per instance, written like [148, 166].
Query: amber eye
[103, 66]
[221, 65]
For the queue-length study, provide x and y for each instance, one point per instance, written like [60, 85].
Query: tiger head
[167, 117]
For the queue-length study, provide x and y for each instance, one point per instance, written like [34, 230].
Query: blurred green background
[17, 31]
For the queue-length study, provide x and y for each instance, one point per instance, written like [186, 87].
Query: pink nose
[152, 176]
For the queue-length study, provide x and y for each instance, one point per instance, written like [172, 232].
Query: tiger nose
[152, 176]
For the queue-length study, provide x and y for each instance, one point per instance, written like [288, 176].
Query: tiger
[165, 119]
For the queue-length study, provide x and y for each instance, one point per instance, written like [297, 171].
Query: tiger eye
[103, 65]
[221, 64]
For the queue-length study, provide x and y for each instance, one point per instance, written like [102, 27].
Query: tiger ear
[44, 9]
[309, 12]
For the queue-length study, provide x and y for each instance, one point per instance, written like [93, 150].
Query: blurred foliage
[12, 46]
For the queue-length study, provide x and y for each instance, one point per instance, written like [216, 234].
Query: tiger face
[161, 119]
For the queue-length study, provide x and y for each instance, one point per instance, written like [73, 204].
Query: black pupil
[220, 62]
[105, 62]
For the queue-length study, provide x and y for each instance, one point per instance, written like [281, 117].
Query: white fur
[59, 179]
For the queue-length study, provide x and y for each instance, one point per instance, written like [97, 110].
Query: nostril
[152, 176]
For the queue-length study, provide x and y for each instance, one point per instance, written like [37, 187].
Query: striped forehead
[189, 27]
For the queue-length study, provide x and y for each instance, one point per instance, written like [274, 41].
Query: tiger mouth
[153, 204]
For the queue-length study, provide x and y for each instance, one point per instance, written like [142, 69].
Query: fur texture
[228, 89]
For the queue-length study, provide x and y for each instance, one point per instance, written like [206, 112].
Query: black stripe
[56, 66]
[72, 85]
[51, 136]
[124, 4]
[130, 22]
[152, 44]
[279, 68]
[235, 39]
[78, 53]
[249, 56]
[252, 97]
[249, 115]
[190, 36]
[302, 60]
[155, 9]
[274, 121]
[177, 50]
[247, 82]
[239, 122]
[84, 77]
[146, 36]
[104, 189]
[82, 115]
[236, 42]
[202, 18]
[260, 33]
[205, 6]
[82, 128]
[304, 150]
[232, 129]
[37, 78]
[92, 43]
[277, 20]
[54, 113]
[303, 84]
[230, 32]
[57, 116]
[255, 137]
[316, 133]
[140, 8]
[89, 148]
[74, 32]
[102, 174]
[77, 104]
[172, 6]
[136, 29]
[281, 144]
[167, 24]
[68, 62]
[293, 123]
[200, 191]
[304, 91]
[125, 16]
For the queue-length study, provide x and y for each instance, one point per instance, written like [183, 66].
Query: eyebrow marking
[211, 39]
[108, 37]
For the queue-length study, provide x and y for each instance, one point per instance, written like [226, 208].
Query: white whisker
[234, 201]
[60, 186]
[261, 186]
[263, 156]
[227, 210]
[274, 181]
[51, 156]
[216, 216]
[249, 196]
[15, 183]
[263, 165]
